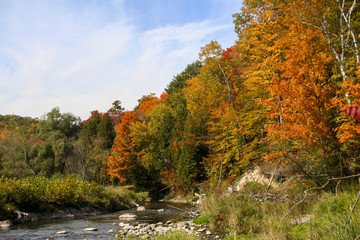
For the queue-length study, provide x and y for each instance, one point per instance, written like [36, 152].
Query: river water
[47, 229]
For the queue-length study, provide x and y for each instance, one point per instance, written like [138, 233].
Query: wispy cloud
[82, 58]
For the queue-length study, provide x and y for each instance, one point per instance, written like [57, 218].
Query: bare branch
[305, 196]
[306, 193]
[352, 210]
[272, 176]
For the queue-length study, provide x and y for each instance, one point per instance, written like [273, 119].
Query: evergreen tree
[106, 132]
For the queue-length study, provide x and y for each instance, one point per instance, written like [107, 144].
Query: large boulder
[257, 176]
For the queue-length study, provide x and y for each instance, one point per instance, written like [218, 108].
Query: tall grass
[242, 216]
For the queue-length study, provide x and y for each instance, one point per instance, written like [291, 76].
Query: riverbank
[255, 213]
[37, 198]
[105, 226]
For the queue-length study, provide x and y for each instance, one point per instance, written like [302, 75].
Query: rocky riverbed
[130, 227]
[146, 230]
[143, 222]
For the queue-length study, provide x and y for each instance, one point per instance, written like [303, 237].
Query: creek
[74, 227]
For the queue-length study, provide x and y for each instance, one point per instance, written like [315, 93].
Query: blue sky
[81, 55]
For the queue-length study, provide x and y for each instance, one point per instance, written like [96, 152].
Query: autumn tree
[17, 137]
[125, 153]
[228, 102]
[290, 53]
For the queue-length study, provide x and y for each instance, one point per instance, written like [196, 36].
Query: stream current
[47, 229]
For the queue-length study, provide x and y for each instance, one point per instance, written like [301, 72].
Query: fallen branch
[177, 208]
[165, 188]
[305, 196]
[306, 193]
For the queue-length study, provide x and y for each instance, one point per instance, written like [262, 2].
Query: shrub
[42, 194]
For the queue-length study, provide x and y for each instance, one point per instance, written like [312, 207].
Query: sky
[82, 55]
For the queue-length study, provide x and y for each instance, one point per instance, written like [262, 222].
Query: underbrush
[38, 194]
[254, 216]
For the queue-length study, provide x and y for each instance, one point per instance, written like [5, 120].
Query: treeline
[280, 94]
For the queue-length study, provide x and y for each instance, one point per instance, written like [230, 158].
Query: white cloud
[83, 63]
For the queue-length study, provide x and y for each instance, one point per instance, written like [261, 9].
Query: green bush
[203, 219]
[42, 194]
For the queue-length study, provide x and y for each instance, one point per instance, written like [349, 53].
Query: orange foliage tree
[226, 100]
[124, 151]
[292, 54]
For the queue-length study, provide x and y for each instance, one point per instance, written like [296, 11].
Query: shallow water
[46, 229]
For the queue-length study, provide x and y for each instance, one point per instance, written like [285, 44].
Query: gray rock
[182, 224]
[162, 229]
[129, 227]
[142, 225]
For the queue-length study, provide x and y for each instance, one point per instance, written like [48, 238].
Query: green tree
[106, 132]
[96, 138]
[179, 81]
[57, 132]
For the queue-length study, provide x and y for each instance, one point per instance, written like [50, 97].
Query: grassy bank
[322, 216]
[40, 194]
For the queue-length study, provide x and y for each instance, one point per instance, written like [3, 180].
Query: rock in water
[90, 229]
[127, 216]
[5, 224]
[140, 208]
